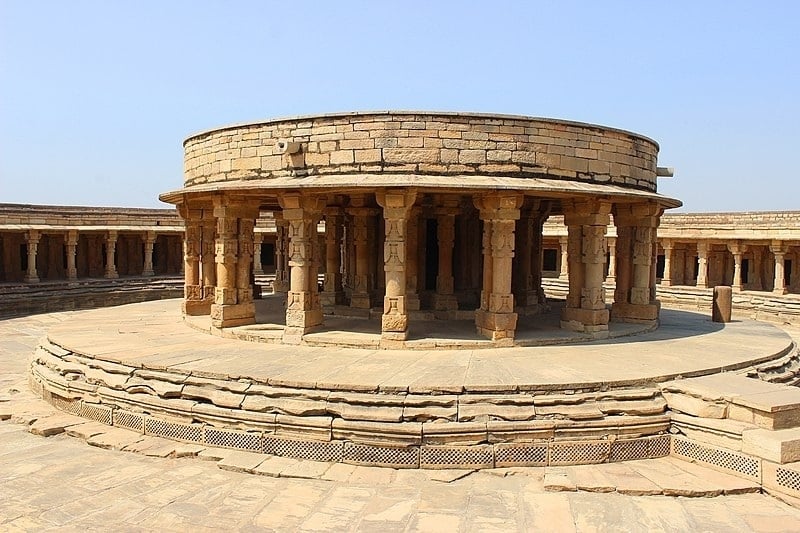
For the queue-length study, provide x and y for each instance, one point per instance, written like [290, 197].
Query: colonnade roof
[270, 189]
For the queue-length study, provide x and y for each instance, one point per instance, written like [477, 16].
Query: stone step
[779, 446]
[717, 432]
[733, 396]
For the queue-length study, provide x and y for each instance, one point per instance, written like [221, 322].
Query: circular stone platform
[138, 366]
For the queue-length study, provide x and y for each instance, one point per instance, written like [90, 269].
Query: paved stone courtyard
[60, 482]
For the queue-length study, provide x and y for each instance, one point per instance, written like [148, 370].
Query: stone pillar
[332, 285]
[111, 246]
[360, 298]
[445, 299]
[754, 275]
[396, 204]
[258, 268]
[412, 260]
[208, 270]
[72, 253]
[666, 279]
[496, 318]
[611, 277]
[634, 297]
[149, 241]
[233, 295]
[736, 250]
[303, 306]
[585, 309]
[32, 244]
[778, 249]
[528, 292]
[281, 283]
[563, 244]
[702, 265]
[192, 290]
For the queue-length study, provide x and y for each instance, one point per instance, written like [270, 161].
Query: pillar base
[412, 302]
[31, 279]
[330, 300]
[585, 320]
[228, 316]
[360, 301]
[148, 272]
[496, 326]
[666, 282]
[779, 291]
[445, 302]
[196, 307]
[638, 313]
[111, 275]
[294, 334]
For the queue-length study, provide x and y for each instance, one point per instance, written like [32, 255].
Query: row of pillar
[224, 289]
[32, 238]
[737, 251]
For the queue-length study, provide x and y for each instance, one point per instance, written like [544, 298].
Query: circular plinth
[140, 367]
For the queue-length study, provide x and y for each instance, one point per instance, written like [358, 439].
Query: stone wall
[422, 143]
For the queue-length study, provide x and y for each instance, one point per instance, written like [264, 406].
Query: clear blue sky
[96, 97]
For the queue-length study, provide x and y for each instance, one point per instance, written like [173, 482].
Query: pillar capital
[499, 205]
[591, 212]
[396, 203]
[778, 247]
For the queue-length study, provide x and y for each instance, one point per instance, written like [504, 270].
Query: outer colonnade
[416, 233]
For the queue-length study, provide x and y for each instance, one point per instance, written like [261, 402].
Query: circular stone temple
[424, 215]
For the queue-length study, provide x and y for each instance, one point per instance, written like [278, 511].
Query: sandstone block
[779, 446]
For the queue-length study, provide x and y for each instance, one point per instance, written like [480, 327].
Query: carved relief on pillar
[396, 204]
[642, 245]
[207, 256]
[444, 299]
[149, 239]
[496, 319]
[585, 309]
[303, 309]
[233, 300]
[191, 257]
[360, 297]
[332, 280]
[634, 297]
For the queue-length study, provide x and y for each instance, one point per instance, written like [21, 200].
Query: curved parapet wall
[440, 144]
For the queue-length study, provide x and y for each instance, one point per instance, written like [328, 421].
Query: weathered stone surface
[779, 446]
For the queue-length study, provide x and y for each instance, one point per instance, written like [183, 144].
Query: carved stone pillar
[702, 264]
[563, 244]
[585, 309]
[396, 205]
[360, 298]
[208, 243]
[611, 277]
[149, 241]
[528, 292]
[72, 252]
[412, 260]
[496, 318]
[258, 268]
[233, 296]
[755, 273]
[666, 279]
[303, 306]
[32, 244]
[778, 249]
[111, 247]
[332, 285]
[281, 283]
[445, 299]
[634, 297]
[736, 249]
[192, 290]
